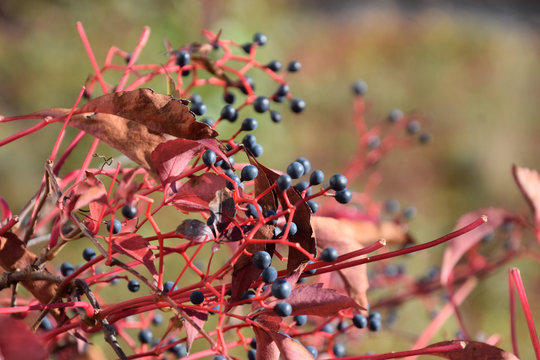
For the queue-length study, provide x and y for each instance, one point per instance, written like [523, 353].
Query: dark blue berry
[146, 336]
[249, 172]
[359, 321]
[283, 309]
[300, 319]
[198, 108]
[338, 350]
[88, 254]
[295, 170]
[182, 58]
[327, 329]
[248, 294]
[253, 343]
[186, 72]
[338, 182]
[229, 97]
[196, 98]
[409, 212]
[279, 99]
[313, 351]
[269, 213]
[374, 324]
[207, 121]
[284, 182]
[360, 87]
[301, 186]
[374, 315]
[283, 90]
[342, 325]
[269, 275]
[219, 357]
[395, 115]
[292, 230]
[257, 150]
[46, 324]
[281, 289]
[227, 165]
[249, 124]
[274, 65]
[413, 127]
[234, 178]
[316, 177]
[117, 226]
[343, 196]
[157, 319]
[196, 297]
[252, 211]
[312, 271]
[168, 286]
[294, 66]
[179, 350]
[246, 47]
[261, 260]
[260, 39]
[425, 138]
[313, 206]
[261, 104]
[209, 157]
[249, 141]
[252, 354]
[275, 116]
[229, 113]
[392, 206]
[305, 163]
[298, 105]
[134, 286]
[67, 268]
[250, 82]
[329, 254]
[129, 211]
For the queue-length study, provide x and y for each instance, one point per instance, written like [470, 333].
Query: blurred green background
[473, 74]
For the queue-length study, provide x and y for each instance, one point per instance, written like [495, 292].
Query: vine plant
[296, 256]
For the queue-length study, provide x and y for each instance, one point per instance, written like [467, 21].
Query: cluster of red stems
[180, 163]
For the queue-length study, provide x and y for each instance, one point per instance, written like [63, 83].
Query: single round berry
[316, 177]
[283, 309]
[253, 343]
[168, 286]
[133, 285]
[198, 108]
[209, 157]
[185, 72]
[360, 87]
[298, 105]
[146, 336]
[88, 254]
[178, 349]
[328, 329]
[196, 98]
[229, 113]
[249, 124]
[250, 82]
[395, 115]
[281, 289]
[227, 165]
[129, 211]
[392, 206]
[301, 186]
[182, 58]
[67, 268]
[249, 141]
[425, 138]
[207, 121]
[338, 182]
[236, 179]
[117, 226]
[274, 65]
[269, 213]
[294, 66]
[219, 357]
[305, 163]
[261, 260]
[252, 211]
[409, 212]
[260, 39]
[413, 127]
[329, 254]
[300, 319]
[196, 297]
[269, 275]
[249, 172]
[313, 206]
[257, 150]
[293, 229]
[46, 324]
[252, 354]
[157, 319]
[247, 48]
[275, 116]
[279, 99]
[261, 104]
[359, 321]
[284, 182]
[283, 90]
[229, 97]
[338, 350]
[376, 314]
[295, 170]
[312, 351]
[343, 196]
[374, 324]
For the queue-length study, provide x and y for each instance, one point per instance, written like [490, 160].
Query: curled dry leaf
[134, 122]
[474, 350]
[460, 245]
[346, 235]
[528, 181]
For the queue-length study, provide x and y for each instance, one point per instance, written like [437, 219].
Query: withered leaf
[198, 192]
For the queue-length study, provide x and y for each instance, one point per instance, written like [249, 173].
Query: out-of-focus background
[472, 72]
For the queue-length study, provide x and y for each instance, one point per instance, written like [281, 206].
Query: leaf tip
[485, 218]
[382, 242]
[463, 344]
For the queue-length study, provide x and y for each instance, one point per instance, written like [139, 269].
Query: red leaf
[199, 319]
[135, 246]
[171, 158]
[90, 190]
[267, 348]
[528, 181]
[460, 245]
[474, 350]
[290, 349]
[17, 341]
[127, 186]
[196, 194]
